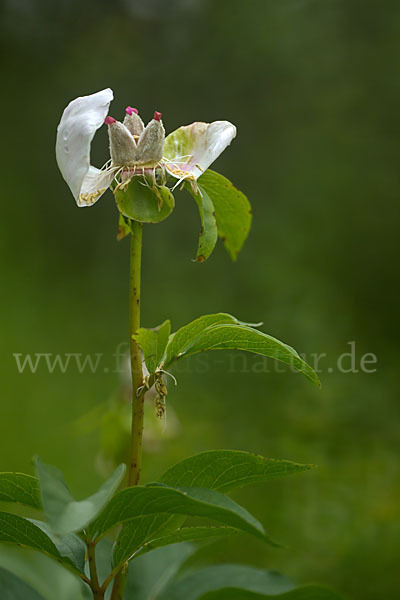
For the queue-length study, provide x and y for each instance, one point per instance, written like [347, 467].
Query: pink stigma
[109, 121]
[157, 116]
[129, 110]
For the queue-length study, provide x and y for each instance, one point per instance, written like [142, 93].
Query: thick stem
[135, 456]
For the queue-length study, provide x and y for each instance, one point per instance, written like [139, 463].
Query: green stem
[135, 455]
[98, 593]
[120, 584]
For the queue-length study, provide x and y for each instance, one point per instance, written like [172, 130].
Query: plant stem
[98, 593]
[135, 456]
[120, 584]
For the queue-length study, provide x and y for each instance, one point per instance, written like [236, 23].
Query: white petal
[193, 148]
[79, 122]
[94, 185]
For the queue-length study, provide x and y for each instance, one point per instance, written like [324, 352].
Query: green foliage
[21, 488]
[179, 340]
[140, 501]
[224, 212]
[13, 588]
[69, 545]
[209, 232]
[21, 532]
[188, 534]
[152, 517]
[232, 210]
[241, 337]
[153, 343]
[220, 470]
[144, 202]
[151, 573]
[309, 592]
[50, 579]
[225, 470]
[222, 332]
[201, 581]
[64, 514]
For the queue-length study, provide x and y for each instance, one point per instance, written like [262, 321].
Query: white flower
[134, 149]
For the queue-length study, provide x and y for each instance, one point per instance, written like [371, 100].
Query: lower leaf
[186, 534]
[43, 574]
[202, 581]
[20, 531]
[150, 574]
[139, 501]
[13, 588]
[310, 592]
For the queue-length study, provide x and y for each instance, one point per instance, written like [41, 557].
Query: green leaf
[153, 343]
[310, 592]
[241, 337]
[232, 210]
[20, 531]
[124, 227]
[209, 232]
[66, 515]
[70, 546]
[222, 331]
[188, 534]
[220, 470]
[149, 574]
[21, 488]
[46, 576]
[225, 470]
[13, 588]
[139, 501]
[136, 532]
[201, 581]
[104, 558]
[141, 203]
[180, 340]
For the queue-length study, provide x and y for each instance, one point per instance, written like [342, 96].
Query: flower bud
[122, 144]
[151, 143]
[133, 122]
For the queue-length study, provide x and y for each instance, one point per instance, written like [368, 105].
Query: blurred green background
[314, 89]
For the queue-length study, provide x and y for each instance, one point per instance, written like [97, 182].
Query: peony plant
[129, 540]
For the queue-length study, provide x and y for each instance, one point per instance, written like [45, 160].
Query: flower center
[132, 144]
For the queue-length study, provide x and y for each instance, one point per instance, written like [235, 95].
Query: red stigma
[157, 116]
[109, 121]
[129, 110]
